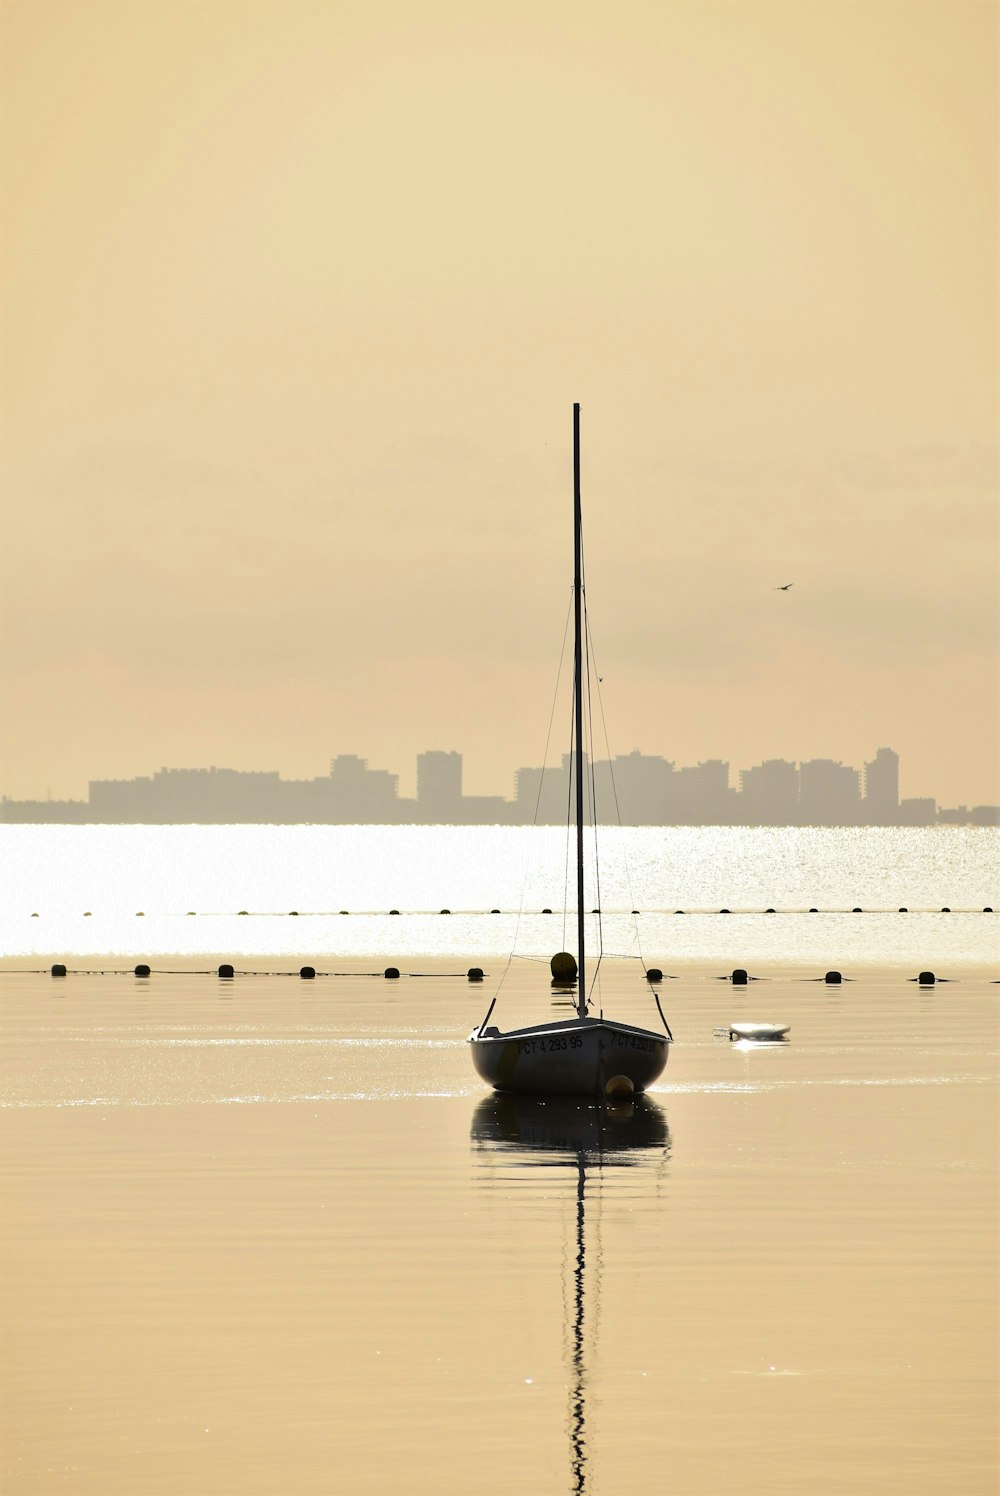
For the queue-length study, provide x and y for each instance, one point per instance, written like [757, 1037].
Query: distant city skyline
[637, 788]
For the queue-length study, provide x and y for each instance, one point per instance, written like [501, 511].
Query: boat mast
[581, 1001]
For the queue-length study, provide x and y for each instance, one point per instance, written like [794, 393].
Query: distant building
[829, 793]
[484, 810]
[362, 796]
[769, 794]
[176, 796]
[700, 796]
[881, 780]
[962, 815]
[44, 812]
[121, 800]
[527, 794]
[542, 796]
[439, 786]
[917, 812]
[633, 788]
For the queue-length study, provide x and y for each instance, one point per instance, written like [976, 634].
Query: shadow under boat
[572, 1133]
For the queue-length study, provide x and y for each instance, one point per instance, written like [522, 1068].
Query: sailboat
[589, 1056]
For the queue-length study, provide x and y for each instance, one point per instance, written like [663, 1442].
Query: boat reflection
[555, 1131]
[565, 1133]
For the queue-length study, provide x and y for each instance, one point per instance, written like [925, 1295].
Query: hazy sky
[296, 301]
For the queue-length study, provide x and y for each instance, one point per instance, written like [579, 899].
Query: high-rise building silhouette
[829, 793]
[700, 795]
[634, 788]
[361, 794]
[881, 780]
[543, 795]
[769, 793]
[439, 785]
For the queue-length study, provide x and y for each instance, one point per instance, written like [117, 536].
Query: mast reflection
[566, 1133]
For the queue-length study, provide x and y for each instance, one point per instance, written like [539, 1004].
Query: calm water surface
[270, 1236]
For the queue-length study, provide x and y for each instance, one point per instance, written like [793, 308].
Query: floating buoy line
[426, 913]
[228, 971]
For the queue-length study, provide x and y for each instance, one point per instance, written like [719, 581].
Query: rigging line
[593, 784]
[569, 814]
[588, 641]
[538, 801]
[614, 793]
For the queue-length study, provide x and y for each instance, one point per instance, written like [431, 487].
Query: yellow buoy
[563, 967]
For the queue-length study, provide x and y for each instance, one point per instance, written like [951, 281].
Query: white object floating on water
[758, 1030]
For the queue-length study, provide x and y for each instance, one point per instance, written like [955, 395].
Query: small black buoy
[903, 909]
[393, 911]
[345, 911]
[678, 911]
[739, 977]
[139, 914]
[768, 911]
[494, 911]
[58, 969]
[723, 911]
[987, 908]
[475, 973]
[294, 912]
[190, 913]
[307, 973]
[927, 979]
[226, 971]
[445, 911]
[857, 909]
[654, 974]
[595, 911]
[391, 973]
[86, 914]
[546, 911]
[945, 909]
[814, 910]
[833, 979]
[142, 970]
[244, 911]
[563, 967]
[985, 911]
[636, 911]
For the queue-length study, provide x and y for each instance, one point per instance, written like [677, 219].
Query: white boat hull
[594, 1057]
[759, 1032]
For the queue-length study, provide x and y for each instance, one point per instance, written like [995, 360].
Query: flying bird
[785, 586]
